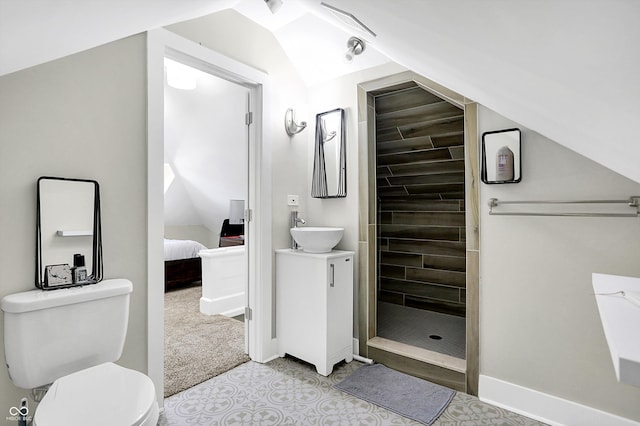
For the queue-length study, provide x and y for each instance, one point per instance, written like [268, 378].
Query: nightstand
[232, 241]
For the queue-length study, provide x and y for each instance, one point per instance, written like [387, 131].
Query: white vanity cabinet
[314, 307]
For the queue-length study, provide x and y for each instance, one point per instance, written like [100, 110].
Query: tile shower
[421, 217]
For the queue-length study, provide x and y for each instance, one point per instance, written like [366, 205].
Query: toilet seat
[106, 394]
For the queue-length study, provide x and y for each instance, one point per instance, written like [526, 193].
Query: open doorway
[205, 187]
[419, 286]
[421, 247]
[259, 320]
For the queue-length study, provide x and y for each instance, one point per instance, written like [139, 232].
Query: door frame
[160, 44]
[448, 370]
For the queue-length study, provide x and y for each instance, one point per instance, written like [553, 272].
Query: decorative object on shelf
[501, 156]
[79, 271]
[57, 275]
[67, 207]
[330, 162]
[290, 124]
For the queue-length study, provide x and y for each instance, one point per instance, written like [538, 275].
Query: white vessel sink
[317, 239]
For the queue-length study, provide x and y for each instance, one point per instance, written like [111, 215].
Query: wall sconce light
[355, 47]
[290, 124]
[326, 135]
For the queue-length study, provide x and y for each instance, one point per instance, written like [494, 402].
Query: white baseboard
[233, 312]
[544, 407]
[271, 358]
[230, 305]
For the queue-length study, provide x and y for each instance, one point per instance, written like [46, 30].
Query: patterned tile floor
[289, 392]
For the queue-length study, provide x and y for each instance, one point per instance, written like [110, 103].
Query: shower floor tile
[421, 328]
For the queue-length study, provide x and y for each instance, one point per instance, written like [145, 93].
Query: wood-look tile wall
[420, 187]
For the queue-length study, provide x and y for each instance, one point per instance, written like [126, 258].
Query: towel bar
[632, 202]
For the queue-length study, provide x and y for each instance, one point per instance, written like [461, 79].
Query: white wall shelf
[620, 318]
[74, 233]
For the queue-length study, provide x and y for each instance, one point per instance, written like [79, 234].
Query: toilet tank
[49, 334]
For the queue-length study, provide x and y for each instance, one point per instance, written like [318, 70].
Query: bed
[181, 262]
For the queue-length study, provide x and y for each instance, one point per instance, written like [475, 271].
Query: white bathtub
[224, 280]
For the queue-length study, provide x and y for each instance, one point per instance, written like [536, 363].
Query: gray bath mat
[406, 395]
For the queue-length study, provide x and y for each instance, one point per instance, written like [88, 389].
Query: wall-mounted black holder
[54, 190]
[501, 156]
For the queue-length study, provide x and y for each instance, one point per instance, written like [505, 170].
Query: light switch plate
[293, 200]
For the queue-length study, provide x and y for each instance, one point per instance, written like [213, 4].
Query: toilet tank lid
[39, 299]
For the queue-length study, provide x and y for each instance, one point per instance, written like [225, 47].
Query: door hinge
[248, 215]
[248, 313]
[248, 118]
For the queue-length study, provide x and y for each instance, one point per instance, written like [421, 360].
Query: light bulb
[355, 46]
[348, 57]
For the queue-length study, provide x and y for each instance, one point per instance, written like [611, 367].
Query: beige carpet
[197, 346]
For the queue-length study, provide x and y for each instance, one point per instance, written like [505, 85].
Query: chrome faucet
[295, 220]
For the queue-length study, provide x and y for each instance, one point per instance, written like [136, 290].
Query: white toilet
[70, 337]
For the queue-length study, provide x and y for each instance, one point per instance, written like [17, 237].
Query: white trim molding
[162, 43]
[544, 407]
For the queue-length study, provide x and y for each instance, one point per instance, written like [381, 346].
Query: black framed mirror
[501, 156]
[329, 159]
[68, 233]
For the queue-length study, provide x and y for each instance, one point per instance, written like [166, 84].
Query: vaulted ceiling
[567, 69]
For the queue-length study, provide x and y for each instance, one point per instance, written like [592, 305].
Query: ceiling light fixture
[274, 5]
[355, 47]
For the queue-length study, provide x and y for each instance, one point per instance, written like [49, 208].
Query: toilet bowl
[104, 395]
[71, 337]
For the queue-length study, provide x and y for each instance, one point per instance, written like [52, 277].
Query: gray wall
[198, 233]
[81, 116]
[539, 323]
[85, 116]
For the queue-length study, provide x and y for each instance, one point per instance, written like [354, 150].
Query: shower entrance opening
[419, 301]
[420, 211]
